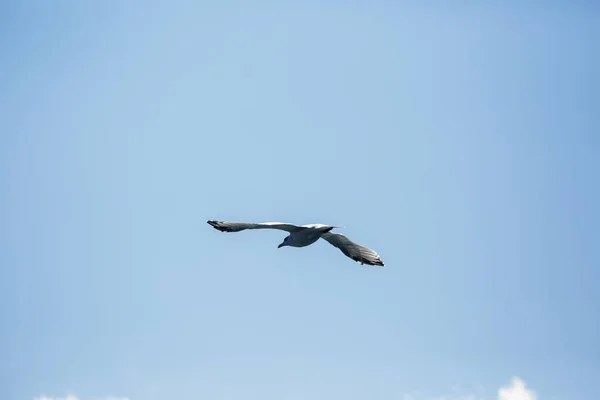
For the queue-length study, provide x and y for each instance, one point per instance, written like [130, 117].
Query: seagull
[305, 235]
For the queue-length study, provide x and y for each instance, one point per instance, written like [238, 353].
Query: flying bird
[305, 235]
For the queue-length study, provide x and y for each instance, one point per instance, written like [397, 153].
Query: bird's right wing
[358, 253]
[224, 226]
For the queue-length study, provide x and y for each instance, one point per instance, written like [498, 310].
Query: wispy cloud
[69, 397]
[516, 390]
[73, 397]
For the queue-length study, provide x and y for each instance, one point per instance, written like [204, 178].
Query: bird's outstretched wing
[224, 226]
[358, 253]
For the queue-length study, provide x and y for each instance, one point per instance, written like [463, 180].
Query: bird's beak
[281, 245]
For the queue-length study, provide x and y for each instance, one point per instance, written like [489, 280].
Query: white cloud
[516, 390]
[73, 397]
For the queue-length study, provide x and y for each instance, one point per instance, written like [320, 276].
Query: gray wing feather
[358, 253]
[225, 226]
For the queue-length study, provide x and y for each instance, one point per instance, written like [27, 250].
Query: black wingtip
[364, 261]
[218, 225]
[214, 224]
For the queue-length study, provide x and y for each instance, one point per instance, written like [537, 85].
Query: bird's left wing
[224, 226]
[358, 253]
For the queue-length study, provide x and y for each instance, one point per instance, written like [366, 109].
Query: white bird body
[305, 235]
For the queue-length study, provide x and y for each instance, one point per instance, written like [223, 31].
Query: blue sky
[459, 141]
